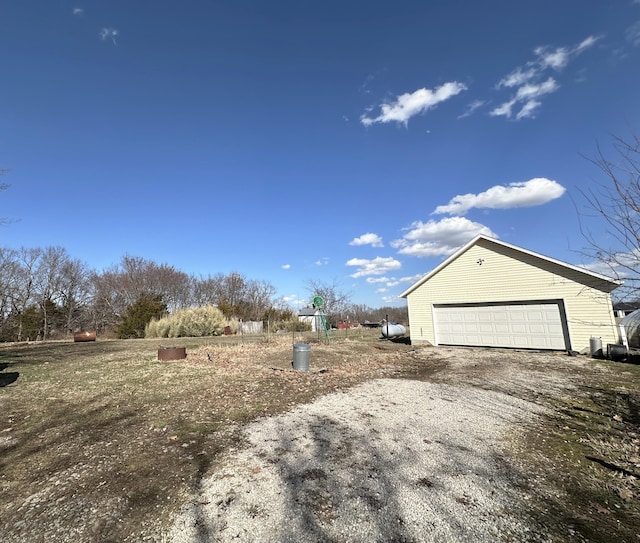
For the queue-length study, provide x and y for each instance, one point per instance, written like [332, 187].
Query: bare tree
[336, 300]
[258, 299]
[46, 276]
[9, 272]
[120, 286]
[74, 294]
[615, 203]
[206, 290]
[233, 289]
[4, 186]
[24, 288]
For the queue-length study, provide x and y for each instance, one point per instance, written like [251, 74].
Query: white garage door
[529, 326]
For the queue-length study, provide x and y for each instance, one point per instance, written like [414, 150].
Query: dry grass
[102, 442]
[107, 442]
[579, 466]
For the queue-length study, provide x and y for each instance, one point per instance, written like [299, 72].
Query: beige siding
[489, 272]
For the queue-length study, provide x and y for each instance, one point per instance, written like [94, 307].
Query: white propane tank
[391, 329]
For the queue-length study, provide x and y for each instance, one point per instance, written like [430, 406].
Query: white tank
[631, 325]
[391, 329]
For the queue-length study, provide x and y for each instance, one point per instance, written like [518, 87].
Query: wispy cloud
[322, 261]
[518, 77]
[530, 193]
[527, 96]
[376, 280]
[393, 281]
[393, 300]
[586, 43]
[408, 105]
[78, 11]
[532, 81]
[632, 34]
[439, 238]
[109, 34]
[552, 58]
[621, 266]
[368, 239]
[286, 266]
[376, 266]
[471, 108]
[293, 301]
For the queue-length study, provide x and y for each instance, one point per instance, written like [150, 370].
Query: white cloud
[411, 104]
[633, 34]
[503, 109]
[78, 11]
[324, 261]
[527, 93]
[471, 108]
[527, 111]
[556, 59]
[387, 281]
[377, 266]
[439, 238]
[618, 266]
[381, 290]
[528, 79]
[375, 280]
[411, 279]
[517, 77]
[109, 33]
[368, 239]
[586, 43]
[286, 266]
[535, 192]
[393, 281]
[531, 90]
[292, 301]
[393, 300]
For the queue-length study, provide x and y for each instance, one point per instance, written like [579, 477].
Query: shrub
[196, 322]
[139, 314]
[294, 325]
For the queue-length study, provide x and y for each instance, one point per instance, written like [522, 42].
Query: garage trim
[521, 324]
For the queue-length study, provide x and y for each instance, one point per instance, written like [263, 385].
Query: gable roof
[307, 312]
[611, 283]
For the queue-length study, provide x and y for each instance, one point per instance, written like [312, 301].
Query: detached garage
[494, 294]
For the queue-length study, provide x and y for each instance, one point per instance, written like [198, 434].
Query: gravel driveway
[389, 460]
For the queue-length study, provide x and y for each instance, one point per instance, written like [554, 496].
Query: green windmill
[321, 320]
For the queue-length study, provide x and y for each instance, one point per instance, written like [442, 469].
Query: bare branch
[614, 205]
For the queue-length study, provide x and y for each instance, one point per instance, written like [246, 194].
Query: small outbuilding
[310, 315]
[494, 294]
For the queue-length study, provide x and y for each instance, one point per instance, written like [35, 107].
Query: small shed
[310, 315]
[494, 294]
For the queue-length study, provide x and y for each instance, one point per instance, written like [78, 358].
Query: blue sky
[355, 141]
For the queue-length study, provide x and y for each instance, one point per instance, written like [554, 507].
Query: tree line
[47, 294]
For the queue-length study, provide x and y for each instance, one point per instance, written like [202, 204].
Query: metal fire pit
[172, 353]
[84, 336]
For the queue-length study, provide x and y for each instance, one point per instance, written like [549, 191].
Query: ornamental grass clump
[196, 322]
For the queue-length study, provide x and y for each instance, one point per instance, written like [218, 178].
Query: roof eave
[607, 280]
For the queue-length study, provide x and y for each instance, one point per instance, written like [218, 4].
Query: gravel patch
[389, 460]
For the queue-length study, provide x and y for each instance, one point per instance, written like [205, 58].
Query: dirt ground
[103, 442]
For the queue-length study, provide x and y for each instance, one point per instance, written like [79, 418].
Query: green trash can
[301, 355]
